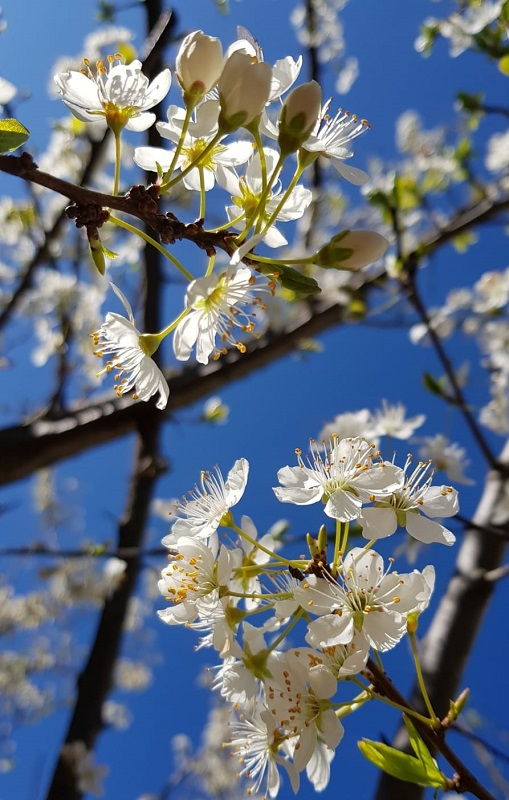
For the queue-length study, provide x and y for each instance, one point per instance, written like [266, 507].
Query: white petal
[427, 531]
[237, 480]
[125, 302]
[331, 729]
[377, 523]
[440, 501]
[356, 176]
[330, 630]
[384, 630]
[141, 122]
[323, 682]
[185, 336]
[149, 157]
[343, 506]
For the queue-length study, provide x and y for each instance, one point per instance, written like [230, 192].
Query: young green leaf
[402, 765]
[12, 135]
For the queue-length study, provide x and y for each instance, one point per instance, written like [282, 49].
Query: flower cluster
[239, 93]
[287, 701]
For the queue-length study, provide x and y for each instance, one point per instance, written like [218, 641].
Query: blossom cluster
[236, 92]
[221, 578]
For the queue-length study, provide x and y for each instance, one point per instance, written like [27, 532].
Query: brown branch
[457, 621]
[97, 150]
[97, 677]
[466, 781]
[42, 442]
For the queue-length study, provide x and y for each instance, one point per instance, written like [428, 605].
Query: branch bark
[457, 621]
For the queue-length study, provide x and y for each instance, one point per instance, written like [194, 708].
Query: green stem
[283, 261]
[291, 187]
[256, 544]
[410, 712]
[180, 144]
[284, 633]
[171, 327]
[203, 199]
[345, 539]
[337, 542]
[259, 610]
[210, 265]
[420, 680]
[268, 596]
[261, 155]
[116, 179]
[194, 163]
[145, 236]
[260, 206]
[226, 225]
[356, 702]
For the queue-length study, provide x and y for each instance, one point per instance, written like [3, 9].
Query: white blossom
[119, 93]
[448, 456]
[342, 473]
[411, 506]
[209, 504]
[390, 420]
[120, 338]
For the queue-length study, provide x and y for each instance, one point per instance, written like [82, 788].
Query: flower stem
[194, 163]
[261, 156]
[286, 195]
[284, 633]
[420, 680]
[116, 179]
[210, 265]
[145, 236]
[260, 206]
[227, 225]
[345, 539]
[337, 542]
[409, 711]
[256, 544]
[283, 261]
[268, 596]
[356, 702]
[180, 144]
[203, 199]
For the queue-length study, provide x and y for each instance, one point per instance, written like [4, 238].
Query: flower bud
[96, 250]
[299, 116]
[351, 250]
[198, 65]
[244, 88]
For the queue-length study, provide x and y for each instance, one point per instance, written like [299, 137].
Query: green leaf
[503, 65]
[463, 241]
[401, 765]
[421, 751]
[433, 385]
[12, 135]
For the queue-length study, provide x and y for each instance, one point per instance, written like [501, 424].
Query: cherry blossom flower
[198, 64]
[331, 137]
[368, 603]
[341, 473]
[411, 506]
[390, 420]
[89, 775]
[209, 505]
[255, 740]
[244, 88]
[246, 192]
[193, 578]
[446, 456]
[296, 694]
[221, 159]
[117, 92]
[285, 71]
[218, 306]
[120, 338]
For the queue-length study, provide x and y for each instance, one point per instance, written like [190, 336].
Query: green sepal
[290, 278]
[12, 135]
[402, 765]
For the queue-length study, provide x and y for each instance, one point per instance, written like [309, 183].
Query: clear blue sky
[275, 410]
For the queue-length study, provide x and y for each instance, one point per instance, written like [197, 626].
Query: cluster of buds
[288, 701]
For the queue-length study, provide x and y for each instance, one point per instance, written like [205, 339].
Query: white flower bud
[244, 88]
[352, 250]
[299, 115]
[198, 65]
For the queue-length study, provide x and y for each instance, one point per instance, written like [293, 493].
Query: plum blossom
[447, 456]
[120, 338]
[221, 159]
[390, 420]
[411, 506]
[193, 578]
[246, 192]
[367, 602]
[117, 92]
[209, 505]
[217, 306]
[296, 694]
[342, 473]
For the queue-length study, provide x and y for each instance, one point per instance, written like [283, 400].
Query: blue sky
[276, 409]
